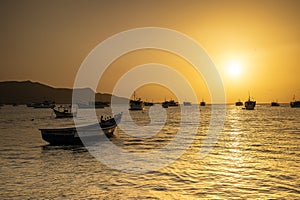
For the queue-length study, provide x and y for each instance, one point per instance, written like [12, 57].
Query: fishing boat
[70, 136]
[64, 112]
[239, 103]
[249, 104]
[136, 103]
[187, 103]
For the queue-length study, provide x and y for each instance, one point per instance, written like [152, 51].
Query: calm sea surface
[257, 156]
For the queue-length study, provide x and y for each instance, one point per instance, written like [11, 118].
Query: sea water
[257, 155]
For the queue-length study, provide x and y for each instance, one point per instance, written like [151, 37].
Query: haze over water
[257, 156]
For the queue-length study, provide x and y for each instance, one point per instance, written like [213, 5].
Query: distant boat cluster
[67, 136]
[250, 104]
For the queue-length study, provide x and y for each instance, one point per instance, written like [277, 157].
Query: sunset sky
[255, 45]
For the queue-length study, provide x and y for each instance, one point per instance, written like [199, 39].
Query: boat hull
[89, 133]
[69, 136]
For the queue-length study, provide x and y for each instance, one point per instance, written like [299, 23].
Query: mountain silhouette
[24, 92]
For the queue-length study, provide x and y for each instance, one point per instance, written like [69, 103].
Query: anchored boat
[64, 112]
[69, 136]
[250, 104]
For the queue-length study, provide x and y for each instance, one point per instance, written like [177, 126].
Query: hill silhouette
[23, 92]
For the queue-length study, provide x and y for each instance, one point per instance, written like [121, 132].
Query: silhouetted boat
[295, 103]
[64, 112]
[69, 136]
[274, 103]
[239, 103]
[165, 105]
[202, 103]
[249, 104]
[136, 104]
[170, 103]
[187, 103]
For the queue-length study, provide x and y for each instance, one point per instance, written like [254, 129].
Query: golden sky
[46, 41]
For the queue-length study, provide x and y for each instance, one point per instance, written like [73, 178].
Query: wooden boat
[249, 104]
[64, 112]
[69, 136]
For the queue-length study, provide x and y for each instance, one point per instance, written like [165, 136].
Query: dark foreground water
[257, 156]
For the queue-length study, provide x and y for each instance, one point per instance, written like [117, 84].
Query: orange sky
[46, 41]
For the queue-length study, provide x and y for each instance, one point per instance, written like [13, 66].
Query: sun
[234, 68]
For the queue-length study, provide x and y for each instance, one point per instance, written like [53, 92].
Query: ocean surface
[256, 156]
